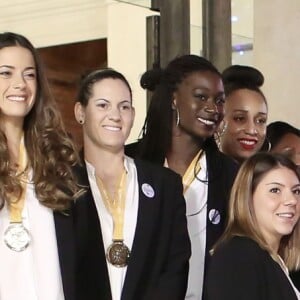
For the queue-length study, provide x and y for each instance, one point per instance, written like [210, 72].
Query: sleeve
[234, 275]
[172, 282]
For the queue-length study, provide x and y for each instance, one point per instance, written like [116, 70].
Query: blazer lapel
[66, 252]
[147, 215]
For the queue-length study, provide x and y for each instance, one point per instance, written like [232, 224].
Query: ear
[79, 113]
[133, 116]
[174, 102]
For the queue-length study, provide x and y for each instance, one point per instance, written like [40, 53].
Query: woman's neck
[184, 148]
[108, 164]
[14, 133]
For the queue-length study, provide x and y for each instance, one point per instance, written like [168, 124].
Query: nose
[250, 128]
[291, 199]
[114, 114]
[19, 82]
[210, 107]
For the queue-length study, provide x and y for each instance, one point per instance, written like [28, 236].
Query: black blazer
[75, 246]
[158, 266]
[221, 174]
[241, 270]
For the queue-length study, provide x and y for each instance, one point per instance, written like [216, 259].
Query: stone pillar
[174, 29]
[276, 52]
[217, 45]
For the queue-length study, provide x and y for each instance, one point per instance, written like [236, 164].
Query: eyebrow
[12, 67]
[245, 111]
[294, 186]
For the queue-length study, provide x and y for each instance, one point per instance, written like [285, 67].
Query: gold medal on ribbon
[118, 253]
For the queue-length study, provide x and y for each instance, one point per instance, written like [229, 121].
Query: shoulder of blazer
[156, 170]
[219, 164]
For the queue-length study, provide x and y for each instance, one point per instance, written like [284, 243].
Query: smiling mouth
[112, 128]
[207, 122]
[16, 98]
[286, 215]
[247, 144]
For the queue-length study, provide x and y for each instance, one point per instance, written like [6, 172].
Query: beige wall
[54, 22]
[126, 48]
[277, 55]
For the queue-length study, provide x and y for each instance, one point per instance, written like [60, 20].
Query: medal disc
[16, 237]
[118, 254]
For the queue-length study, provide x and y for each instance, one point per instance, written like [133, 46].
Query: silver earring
[81, 121]
[177, 117]
[221, 133]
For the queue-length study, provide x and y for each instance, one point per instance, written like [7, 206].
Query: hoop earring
[177, 117]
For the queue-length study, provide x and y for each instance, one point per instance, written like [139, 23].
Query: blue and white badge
[148, 190]
[214, 216]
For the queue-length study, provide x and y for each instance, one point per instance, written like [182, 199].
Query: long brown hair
[241, 216]
[51, 153]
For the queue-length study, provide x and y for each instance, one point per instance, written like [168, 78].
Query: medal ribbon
[115, 205]
[17, 203]
[191, 171]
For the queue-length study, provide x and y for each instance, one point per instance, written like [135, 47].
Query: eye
[201, 97]
[261, 121]
[220, 101]
[239, 118]
[296, 191]
[30, 75]
[275, 190]
[102, 105]
[5, 74]
[125, 106]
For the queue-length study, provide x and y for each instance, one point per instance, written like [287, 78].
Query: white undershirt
[286, 272]
[33, 274]
[196, 208]
[117, 275]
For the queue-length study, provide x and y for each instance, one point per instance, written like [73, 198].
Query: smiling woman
[243, 131]
[138, 216]
[261, 243]
[37, 185]
[187, 106]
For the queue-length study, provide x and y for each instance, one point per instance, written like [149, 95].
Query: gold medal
[118, 254]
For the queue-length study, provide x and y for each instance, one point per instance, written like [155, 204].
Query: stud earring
[81, 121]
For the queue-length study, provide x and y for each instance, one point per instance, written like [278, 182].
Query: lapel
[66, 252]
[147, 215]
[94, 272]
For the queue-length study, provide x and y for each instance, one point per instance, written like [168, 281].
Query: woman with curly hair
[37, 186]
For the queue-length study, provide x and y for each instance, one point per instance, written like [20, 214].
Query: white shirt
[33, 274]
[117, 275]
[196, 209]
[286, 272]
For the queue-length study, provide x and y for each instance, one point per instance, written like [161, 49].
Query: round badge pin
[148, 190]
[214, 216]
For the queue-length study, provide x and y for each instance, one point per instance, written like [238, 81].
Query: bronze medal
[118, 254]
